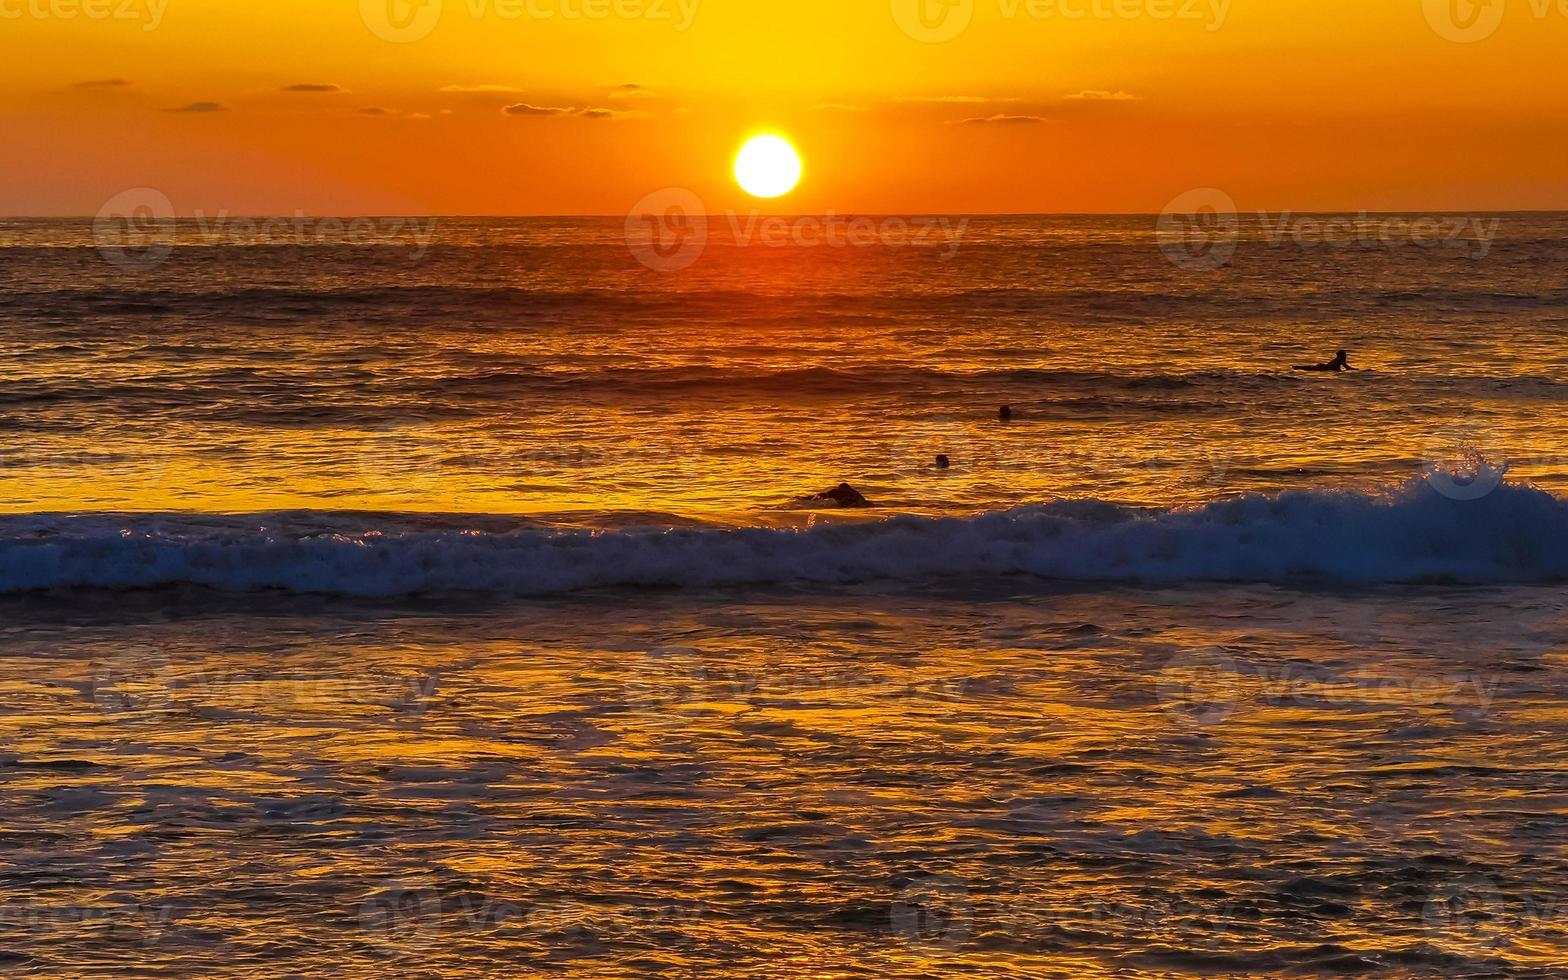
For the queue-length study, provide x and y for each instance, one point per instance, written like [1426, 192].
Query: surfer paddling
[1341, 362]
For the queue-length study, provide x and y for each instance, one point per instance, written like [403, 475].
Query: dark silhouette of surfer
[1341, 362]
[842, 495]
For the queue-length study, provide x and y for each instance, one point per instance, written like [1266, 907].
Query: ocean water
[437, 598]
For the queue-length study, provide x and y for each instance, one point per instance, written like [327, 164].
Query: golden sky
[897, 106]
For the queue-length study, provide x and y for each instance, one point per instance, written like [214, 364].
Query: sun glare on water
[767, 166]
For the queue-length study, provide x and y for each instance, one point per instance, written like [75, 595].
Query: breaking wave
[1439, 528]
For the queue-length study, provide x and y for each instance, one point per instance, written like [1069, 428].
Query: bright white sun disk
[767, 166]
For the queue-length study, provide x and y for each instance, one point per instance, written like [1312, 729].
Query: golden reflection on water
[746, 465]
[1140, 784]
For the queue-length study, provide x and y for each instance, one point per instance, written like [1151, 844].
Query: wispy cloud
[478, 89]
[524, 109]
[200, 107]
[1003, 120]
[1096, 95]
[836, 107]
[313, 87]
[375, 110]
[586, 112]
[948, 99]
[104, 83]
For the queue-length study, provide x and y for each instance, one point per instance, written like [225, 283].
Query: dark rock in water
[942, 462]
[842, 495]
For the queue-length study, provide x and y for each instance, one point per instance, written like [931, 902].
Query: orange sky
[1030, 105]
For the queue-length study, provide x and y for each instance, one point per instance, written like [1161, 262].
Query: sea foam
[1436, 529]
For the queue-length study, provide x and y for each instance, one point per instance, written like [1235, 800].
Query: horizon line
[809, 214]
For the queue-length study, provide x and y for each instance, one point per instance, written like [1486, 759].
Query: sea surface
[435, 597]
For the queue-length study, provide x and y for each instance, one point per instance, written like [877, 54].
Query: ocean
[437, 596]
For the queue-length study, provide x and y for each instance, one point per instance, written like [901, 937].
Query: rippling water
[537, 367]
[446, 607]
[993, 780]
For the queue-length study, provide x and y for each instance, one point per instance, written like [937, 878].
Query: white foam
[1438, 528]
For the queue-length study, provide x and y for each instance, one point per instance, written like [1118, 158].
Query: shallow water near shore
[995, 779]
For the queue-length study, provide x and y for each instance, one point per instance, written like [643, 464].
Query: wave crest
[1423, 532]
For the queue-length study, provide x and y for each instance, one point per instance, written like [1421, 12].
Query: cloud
[375, 110]
[836, 107]
[634, 93]
[1003, 120]
[947, 99]
[586, 112]
[312, 87]
[200, 107]
[104, 83]
[524, 109]
[1095, 95]
[477, 89]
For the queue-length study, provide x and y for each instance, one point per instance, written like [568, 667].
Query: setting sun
[767, 166]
